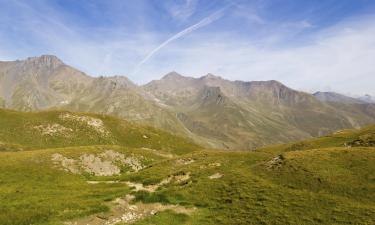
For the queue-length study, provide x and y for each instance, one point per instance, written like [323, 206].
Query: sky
[309, 45]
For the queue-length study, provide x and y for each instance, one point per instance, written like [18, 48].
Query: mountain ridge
[336, 97]
[211, 110]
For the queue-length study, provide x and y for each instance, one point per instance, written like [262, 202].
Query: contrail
[204, 22]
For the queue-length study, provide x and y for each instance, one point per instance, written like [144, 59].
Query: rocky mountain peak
[172, 75]
[116, 82]
[268, 83]
[210, 76]
[44, 61]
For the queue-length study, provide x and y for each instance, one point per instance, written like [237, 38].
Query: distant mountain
[39, 83]
[45, 82]
[367, 98]
[336, 97]
[352, 108]
[238, 114]
[213, 111]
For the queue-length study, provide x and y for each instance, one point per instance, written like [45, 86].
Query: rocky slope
[211, 110]
[247, 114]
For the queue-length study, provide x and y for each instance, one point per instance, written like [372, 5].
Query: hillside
[52, 129]
[74, 169]
[363, 137]
[45, 82]
[212, 111]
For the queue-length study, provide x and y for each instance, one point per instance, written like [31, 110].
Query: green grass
[338, 139]
[244, 195]
[317, 181]
[339, 171]
[33, 192]
[7, 147]
[19, 128]
[165, 218]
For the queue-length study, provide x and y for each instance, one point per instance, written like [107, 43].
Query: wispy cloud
[338, 58]
[204, 22]
[182, 11]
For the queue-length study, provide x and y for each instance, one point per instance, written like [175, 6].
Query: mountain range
[210, 110]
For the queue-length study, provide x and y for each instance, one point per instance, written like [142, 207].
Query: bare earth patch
[107, 163]
[124, 211]
[67, 164]
[180, 178]
[159, 153]
[215, 164]
[131, 161]
[104, 182]
[53, 129]
[216, 176]
[212, 165]
[94, 123]
[185, 161]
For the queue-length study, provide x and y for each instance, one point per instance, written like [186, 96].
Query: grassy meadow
[328, 180]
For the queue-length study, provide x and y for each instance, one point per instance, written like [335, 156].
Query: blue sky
[309, 45]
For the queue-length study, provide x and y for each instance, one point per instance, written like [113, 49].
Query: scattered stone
[95, 165]
[216, 176]
[215, 164]
[367, 140]
[276, 162]
[53, 129]
[68, 165]
[181, 177]
[185, 161]
[104, 164]
[130, 161]
[94, 123]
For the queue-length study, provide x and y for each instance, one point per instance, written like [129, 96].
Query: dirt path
[123, 211]
[179, 178]
[159, 153]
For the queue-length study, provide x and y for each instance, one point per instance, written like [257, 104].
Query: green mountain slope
[63, 129]
[363, 137]
[116, 172]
